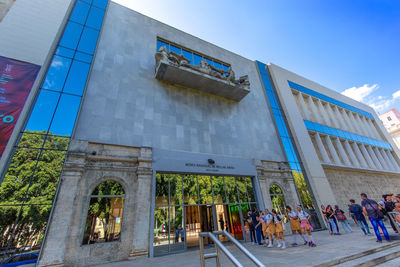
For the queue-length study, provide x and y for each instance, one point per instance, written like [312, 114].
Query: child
[341, 217]
[270, 226]
[278, 220]
[305, 225]
[295, 225]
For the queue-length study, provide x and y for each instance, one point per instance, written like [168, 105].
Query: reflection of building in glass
[391, 121]
[137, 136]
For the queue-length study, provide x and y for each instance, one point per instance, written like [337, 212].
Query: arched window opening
[278, 199]
[104, 217]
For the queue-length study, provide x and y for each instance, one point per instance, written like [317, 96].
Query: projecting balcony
[176, 69]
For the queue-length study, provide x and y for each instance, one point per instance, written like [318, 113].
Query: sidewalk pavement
[328, 248]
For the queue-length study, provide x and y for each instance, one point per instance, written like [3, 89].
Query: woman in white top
[305, 225]
[295, 225]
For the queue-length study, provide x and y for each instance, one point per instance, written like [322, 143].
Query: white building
[391, 121]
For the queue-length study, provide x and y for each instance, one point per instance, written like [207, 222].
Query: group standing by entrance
[267, 228]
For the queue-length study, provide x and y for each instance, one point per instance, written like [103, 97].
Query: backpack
[340, 215]
[356, 209]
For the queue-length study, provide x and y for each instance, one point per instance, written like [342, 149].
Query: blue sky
[348, 46]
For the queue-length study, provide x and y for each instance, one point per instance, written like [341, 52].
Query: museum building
[135, 137]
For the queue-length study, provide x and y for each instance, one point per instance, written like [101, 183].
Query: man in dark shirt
[252, 229]
[357, 210]
[373, 211]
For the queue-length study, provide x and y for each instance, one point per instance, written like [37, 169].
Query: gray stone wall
[348, 184]
[87, 165]
[126, 105]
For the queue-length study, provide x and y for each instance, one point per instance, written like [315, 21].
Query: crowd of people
[267, 228]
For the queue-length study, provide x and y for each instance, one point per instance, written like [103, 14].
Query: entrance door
[198, 219]
[229, 218]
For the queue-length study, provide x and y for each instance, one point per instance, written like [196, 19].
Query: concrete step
[337, 261]
[374, 258]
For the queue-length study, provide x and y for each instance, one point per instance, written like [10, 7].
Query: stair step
[337, 261]
[374, 258]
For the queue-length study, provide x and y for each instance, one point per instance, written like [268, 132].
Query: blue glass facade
[29, 186]
[287, 141]
[329, 99]
[344, 134]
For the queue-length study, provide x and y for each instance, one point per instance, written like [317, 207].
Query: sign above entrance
[183, 162]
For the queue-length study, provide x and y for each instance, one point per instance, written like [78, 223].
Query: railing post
[217, 258]
[201, 243]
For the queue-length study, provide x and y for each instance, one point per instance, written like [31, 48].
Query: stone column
[356, 126]
[360, 156]
[351, 154]
[314, 110]
[344, 119]
[367, 157]
[361, 126]
[374, 158]
[332, 149]
[334, 119]
[374, 130]
[394, 161]
[143, 197]
[349, 121]
[323, 112]
[343, 154]
[58, 232]
[322, 150]
[381, 159]
[304, 107]
[367, 127]
[386, 159]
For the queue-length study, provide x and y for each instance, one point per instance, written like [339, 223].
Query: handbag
[378, 211]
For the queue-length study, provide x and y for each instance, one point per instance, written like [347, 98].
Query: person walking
[278, 220]
[252, 228]
[323, 210]
[358, 214]
[295, 225]
[389, 206]
[258, 227]
[341, 217]
[270, 231]
[330, 214]
[305, 225]
[375, 215]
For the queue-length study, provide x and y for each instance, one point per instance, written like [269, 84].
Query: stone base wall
[87, 165]
[278, 173]
[349, 184]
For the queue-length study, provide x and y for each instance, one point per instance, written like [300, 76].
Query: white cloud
[363, 94]
[359, 93]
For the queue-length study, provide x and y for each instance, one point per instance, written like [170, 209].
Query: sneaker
[293, 244]
[309, 244]
[283, 246]
[252, 243]
[270, 245]
[279, 245]
[313, 245]
[305, 243]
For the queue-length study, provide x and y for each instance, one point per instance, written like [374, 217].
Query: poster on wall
[16, 81]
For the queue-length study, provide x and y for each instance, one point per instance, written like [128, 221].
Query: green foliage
[302, 188]
[32, 178]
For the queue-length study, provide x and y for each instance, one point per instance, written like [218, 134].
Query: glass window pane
[16, 181]
[56, 142]
[64, 118]
[210, 62]
[175, 189]
[43, 111]
[104, 220]
[190, 196]
[161, 189]
[231, 192]
[161, 44]
[241, 186]
[83, 57]
[250, 189]
[87, 1]
[218, 65]
[66, 52]
[56, 74]
[32, 140]
[161, 222]
[88, 41]
[76, 79]
[80, 12]
[100, 3]
[274, 189]
[205, 190]
[71, 35]
[188, 55]
[219, 189]
[95, 18]
[176, 49]
[196, 59]
[177, 234]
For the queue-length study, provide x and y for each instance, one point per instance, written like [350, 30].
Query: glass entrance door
[198, 219]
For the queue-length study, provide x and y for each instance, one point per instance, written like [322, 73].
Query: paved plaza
[328, 248]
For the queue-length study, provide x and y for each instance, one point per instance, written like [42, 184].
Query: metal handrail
[392, 217]
[220, 246]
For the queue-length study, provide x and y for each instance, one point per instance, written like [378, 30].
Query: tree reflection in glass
[190, 192]
[219, 189]
[104, 218]
[231, 192]
[205, 190]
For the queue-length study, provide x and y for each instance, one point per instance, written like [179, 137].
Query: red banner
[16, 81]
